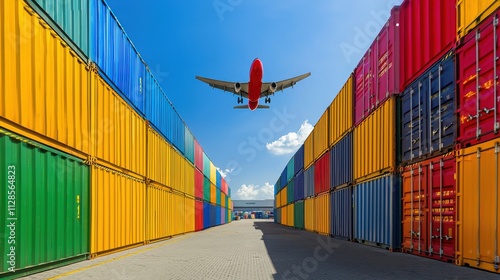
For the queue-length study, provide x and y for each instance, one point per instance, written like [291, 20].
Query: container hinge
[497, 126]
[90, 161]
[93, 67]
[478, 153]
[478, 35]
[430, 250]
[497, 148]
[495, 21]
[441, 252]
[420, 169]
[497, 262]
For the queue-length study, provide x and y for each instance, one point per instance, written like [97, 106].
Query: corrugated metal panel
[39, 183]
[298, 161]
[213, 173]
[116, 56]
[198, 184]
[283, 177]
[277, 199]
[290, 169]
[118, 204]
[341, 111]
[425, 35]
[198, 155]
[321, 133]
[278, 216]
[72, 17]
[158, 158]
[322, 214]
[190, 214]
[183, 180]
[119, 131]
[213, 214]
[206, 189]
[32, 96]
[298, 187]
[224, 186]
[478, 85]
[428, 112]
[178, 208]
[299, 215]
[378, 72]
[341, 163]
[199, 215]
[290, 192]
[322, 174]
[284, 196]
[429, 208]
[478, 210]
[470, 13]
[377, 212]
[218, 197]
[309, 214]
[218, 180]
[159, 218]
[189, 145]
[341, 215]
[206, 165]
[309, 182]
[223, 199]
[213, 193]
[290, 215]
[309, 150]
[374, 143]
[206, 215]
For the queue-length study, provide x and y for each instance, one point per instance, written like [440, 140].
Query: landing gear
[240, 100]
[267, 100]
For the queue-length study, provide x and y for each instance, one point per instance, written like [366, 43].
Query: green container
[227, 202]
[70, 18]
[299, 214]
[206, 165]
[218, 197]
[44, 207]
[206, 189]
[290, 192]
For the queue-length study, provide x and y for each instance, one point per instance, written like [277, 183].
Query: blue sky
[219, 39]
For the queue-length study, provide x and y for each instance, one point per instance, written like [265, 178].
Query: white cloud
[225, 172]
[248, 192]
[290, 142]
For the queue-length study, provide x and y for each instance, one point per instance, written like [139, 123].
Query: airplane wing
[265, 89]
[226, 86]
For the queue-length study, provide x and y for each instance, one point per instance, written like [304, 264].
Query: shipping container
[118, 210]
[35, 102]
[189, 145]
[428, 31]
[158, 158]
[218, 220]
[378, 72]
[277, 216]
[223, 200]
[116, 57]
[309, 182]
[206, 215]
[309, 214]
[283, 177]
[199, 215]
[298, 187]
[322, 214]
[321, 133]
[198, 156]
[206, 166]
[478, 85]
[341, 214]
[218, 196]
[182, 174]
[478, 210]
[309, 150]
[45, 207]
[213, 194]
[375, 143]
[377, 212]
[290, 170]
[341, 163]
[428, 122]
[290, 215]
[322, 174]
[224, 186]
[190, 212]
[213, 173]
[429, 191]
[206, 189]
[120, 133]
[159, 214]
[341, 112]
[218, 180]
[198, 184]
[298, 160]
[284, 196]
[298, 215]
[290, 189]
[470, 13]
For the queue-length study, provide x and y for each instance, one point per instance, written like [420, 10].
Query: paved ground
[258, 249]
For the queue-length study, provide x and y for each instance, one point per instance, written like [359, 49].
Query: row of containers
[86, 171]
[414, 165]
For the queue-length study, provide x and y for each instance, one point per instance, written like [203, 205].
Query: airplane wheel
[269, 100]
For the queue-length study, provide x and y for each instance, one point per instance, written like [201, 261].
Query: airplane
[255, 88]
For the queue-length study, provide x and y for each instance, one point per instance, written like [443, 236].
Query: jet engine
[272, 87]
[237, 87]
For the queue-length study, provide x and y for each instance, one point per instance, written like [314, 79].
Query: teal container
[44, 207]
[206, 189]
[206, 165]
[290, 192]
[189, 145]
[290, 169]
[299, 214]
[70, 19]
[218, 196]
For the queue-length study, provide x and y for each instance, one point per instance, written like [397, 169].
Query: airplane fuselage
[255, 83]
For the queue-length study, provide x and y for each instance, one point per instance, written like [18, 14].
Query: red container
[322, 174]
[478, 84]
[377, 74]
[198, 184]
[224, 186]
[429, 208]
[198, 223]
[198, 155]
[428, 31]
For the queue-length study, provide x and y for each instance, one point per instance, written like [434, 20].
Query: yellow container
[309, 215]
[322, 218]
[190, 213]
[341, 113]
[213, 194]
[290, 208]
[118, 210]
[188, 176]
[478, 197]
[309, 150]
[213, 173]
[159, 221]
[284, 196]
[44, 93]
[222, 199]
[120, 132]
[472, 12]
[321, 135]
[159, 157]
[375, 143]
[178, 208]
[284, 215]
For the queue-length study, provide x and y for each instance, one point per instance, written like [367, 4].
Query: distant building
[253, 205]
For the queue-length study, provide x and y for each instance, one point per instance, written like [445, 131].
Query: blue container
[283, 178]
[115, 55]
[277, 187]
[218, 180]
[309, 181]
[428, 121]
[290, 170]
[218, 220]
[213, 215]
[206, 215]
[298, 186]
[189, 145]
[341, 163]
[299, 160]
[377, 212]
[341, 213]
